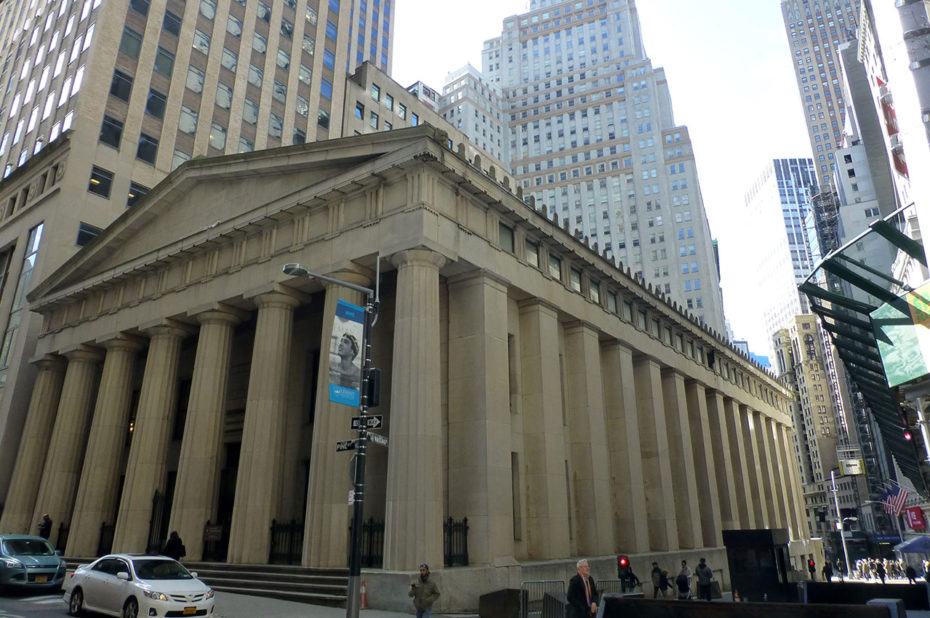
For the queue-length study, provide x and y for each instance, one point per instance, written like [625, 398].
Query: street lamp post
[353, 601]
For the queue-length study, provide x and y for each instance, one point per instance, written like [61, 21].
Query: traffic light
[623, 562]
[907, 435]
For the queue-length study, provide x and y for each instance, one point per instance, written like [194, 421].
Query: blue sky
[729, 71]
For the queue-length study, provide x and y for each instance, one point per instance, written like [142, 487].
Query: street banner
[914, 516]
[345, 354]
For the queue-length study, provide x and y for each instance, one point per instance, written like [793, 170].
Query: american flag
[894, 499]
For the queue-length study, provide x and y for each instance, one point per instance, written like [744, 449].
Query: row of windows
[101, 183]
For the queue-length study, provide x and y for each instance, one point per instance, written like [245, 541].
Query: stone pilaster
[544, 433]
[755, 468]
[741, 477]
[777, 463]
[681, 457]
[197, 485]
[708, 500]
[628, 493]
[413, 507]
[146, 470]
[33, 447]
[657, 473]
[69, 438]
[328, 511]
[99, 486]
[258, 484]
[766, 465]
[723, 464]
[480, 470]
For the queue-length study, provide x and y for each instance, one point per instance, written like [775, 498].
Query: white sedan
[128, 586]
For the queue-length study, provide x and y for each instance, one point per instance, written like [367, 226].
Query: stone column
[326, 533]
[780, 488]
[719, 442]
[755, 467]
[587, 435]
[681, 458]
[708, 501]
[258, 485]
[413, 501]
[741, 476]
[148, 450]
[69, 438]
[480, 462]
[761, 429]
[628, 493]
[99, 485]
[33, 447]
[657, 473]
[197, 485]
[543, 433]
[795, 495]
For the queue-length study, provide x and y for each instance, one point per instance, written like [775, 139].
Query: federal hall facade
[562, 406]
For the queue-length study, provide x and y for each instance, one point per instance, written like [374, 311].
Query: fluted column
[719, 440]
[328, 511]
[681, 458]
[197, 485]
[761, 428]
[779, 488]
[544, 433]
[795, 491]
[413, 507]
[258, 484]
[146, 469]
[33, 446]
[708, 503]
[628, 492]
[109, 430]
[755, 468]
[741, 477]
[657, 473]
[69, 438]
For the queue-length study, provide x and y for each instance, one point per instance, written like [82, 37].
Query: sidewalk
[229, 605]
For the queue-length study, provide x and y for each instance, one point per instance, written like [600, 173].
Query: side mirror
[123, 575]
[194, 574]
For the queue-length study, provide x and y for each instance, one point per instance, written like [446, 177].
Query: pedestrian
[628, 579]
[880, 570]
[683, 581]
[664, 583]
[174, 547]
[911, 573]
[582, 592]
[827, 572]
[656, 577]
[705, 576]
[424, 592]
[45, 526]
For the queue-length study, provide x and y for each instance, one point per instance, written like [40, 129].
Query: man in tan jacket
[424, 592]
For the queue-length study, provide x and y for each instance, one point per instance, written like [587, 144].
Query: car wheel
[131, 609]
[76, 604]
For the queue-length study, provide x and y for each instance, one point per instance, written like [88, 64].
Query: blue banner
[345, 354]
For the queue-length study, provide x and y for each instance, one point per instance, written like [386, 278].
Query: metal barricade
[532, 593]
[615, 586]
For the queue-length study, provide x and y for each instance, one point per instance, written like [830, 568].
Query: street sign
[371, 422]
[378, 439]
[345, 445]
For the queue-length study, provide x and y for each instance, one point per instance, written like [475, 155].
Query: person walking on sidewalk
[582, 593]
[705, 576]
[424, 592]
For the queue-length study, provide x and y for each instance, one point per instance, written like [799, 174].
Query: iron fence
[532, 593]
[105, 540]
[287, 540]
[455, 542]
[215, 542]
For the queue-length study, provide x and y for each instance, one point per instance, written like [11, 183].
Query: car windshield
[160, 569]
[28, 547]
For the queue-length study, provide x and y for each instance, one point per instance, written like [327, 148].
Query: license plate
[41, 578]
[190, 611]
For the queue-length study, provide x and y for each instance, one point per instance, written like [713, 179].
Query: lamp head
[296, 270]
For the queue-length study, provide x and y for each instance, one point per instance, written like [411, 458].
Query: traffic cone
[736, 598]
[364, 596]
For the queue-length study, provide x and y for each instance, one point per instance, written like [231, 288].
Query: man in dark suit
[582, 593]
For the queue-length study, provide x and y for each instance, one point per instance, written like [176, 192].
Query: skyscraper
[593, 138]
[815, 30]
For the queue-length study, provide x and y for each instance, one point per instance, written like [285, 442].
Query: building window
[171, 23]
[287, 29]
[555, 266]
[234, 26]
[259, 43]
[279, 92]
[373, 120]
[505, 237]
[304, 74]
[331, 30]
[574, 279]
[264, 12]
[131, 42]
[376, 92]
[208, 9]
[217, 136]
[202, 42]
[250, 111]
[19, 300]
[322, 119]
[136, 191]
[532, 253]
[101, 181]
[300, 136]
[164, 62]
[187, 121]
[275, 125]
[326, 89]
[121, 86]
[86, 233]
[414, 119]
[156, 103]
[255, 76]
[148, 148]
[140, 6]
[246, 145]
[308, 44]
[389, 102]
[402, 111]
[284, 59]
[230, 60]
[329, 59]
[303, 106]
[223, 96]
[111, 131]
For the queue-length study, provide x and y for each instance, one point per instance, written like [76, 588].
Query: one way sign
[371, 422]
[345, 445]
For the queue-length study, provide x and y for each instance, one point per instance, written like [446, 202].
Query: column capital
[218, 313]
[49, 362]
[84, 353]
[580, 325]
[166, 328]
[277, 300]
[123, 341]
[422, 257]
[531, 304]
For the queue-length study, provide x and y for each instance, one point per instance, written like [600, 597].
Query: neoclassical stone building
[560, 405]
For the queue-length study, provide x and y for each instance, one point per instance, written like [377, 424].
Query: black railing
[105, 540]
[455, 542]
[158, 524]
[287, 540]
[372, 543]
[215, 542]
[62, 541]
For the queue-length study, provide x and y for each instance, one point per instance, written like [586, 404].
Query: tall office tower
[117, 94]
[475, 106]
[815, 29]
[777, 204]
[593, 138]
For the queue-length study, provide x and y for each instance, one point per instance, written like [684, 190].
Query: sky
[729, 71]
